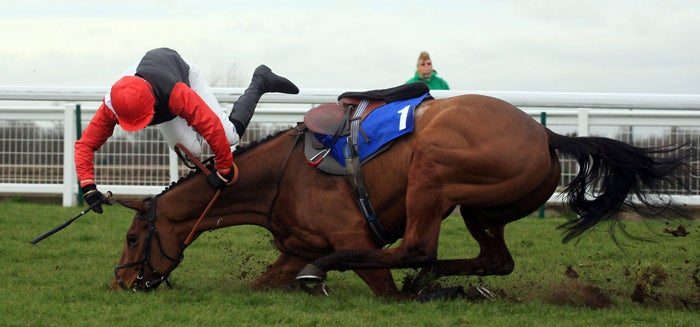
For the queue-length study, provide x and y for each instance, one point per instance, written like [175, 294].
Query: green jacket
[434, 82]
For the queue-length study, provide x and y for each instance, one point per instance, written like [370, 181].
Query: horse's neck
[250, 199]
[186, 200]
[237, 204]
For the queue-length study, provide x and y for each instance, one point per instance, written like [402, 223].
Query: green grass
[64, 279]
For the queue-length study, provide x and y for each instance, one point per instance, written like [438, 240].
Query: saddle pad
[312, 147]
[381, 126]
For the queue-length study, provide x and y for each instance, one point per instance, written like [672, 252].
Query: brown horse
[479, 153]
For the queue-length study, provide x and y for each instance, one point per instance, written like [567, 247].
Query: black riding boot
[264, 80]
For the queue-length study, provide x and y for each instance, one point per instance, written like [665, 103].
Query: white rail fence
[38, 127]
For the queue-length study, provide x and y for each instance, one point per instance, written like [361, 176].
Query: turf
[63, 280]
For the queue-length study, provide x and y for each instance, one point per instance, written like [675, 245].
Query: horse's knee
[262, 283]
[274, 278]
[417, 256]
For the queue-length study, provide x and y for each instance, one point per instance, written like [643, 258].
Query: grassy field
[63, 280]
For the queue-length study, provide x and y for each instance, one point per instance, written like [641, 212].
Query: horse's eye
[131, 240]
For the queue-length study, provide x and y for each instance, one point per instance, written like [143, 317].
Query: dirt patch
[649, 290]
[578, 294]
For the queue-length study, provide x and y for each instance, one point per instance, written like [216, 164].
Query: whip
[108, 194]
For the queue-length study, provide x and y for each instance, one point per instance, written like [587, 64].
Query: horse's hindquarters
[478, 151]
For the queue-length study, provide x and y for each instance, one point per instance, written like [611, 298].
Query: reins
[145, 262]
[179, 147]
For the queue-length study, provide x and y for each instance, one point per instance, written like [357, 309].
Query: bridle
[145, 261]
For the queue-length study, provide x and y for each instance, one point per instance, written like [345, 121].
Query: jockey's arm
[100, 128]
[186, 103]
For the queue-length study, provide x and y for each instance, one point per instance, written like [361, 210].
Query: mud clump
[647, 281]
[679, 231]
[571, 273]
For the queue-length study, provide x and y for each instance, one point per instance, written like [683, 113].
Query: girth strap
[352, 163]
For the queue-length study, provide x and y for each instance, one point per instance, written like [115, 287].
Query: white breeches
[177, 131]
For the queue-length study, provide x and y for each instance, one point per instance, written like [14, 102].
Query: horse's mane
[209, 161]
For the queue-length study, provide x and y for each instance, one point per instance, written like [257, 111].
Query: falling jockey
[166, 90]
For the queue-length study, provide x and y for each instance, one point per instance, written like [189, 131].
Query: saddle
[327, 118]
[332, 122]
[336, 121]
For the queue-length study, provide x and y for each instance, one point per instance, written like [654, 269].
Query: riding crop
[108, 194]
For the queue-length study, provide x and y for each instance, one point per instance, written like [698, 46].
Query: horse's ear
[134, 204]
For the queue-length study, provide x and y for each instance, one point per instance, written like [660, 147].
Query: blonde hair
[424, 56]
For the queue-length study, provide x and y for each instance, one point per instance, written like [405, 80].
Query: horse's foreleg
[381, 281]
[417, 249]
[424, 206]
[280, 275]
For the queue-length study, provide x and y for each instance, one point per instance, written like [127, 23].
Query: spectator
[164, 89]
[426, 74]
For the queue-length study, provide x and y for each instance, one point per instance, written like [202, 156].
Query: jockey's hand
[220, 178]
[92, 196]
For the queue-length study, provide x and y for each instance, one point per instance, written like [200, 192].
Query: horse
[473, 152]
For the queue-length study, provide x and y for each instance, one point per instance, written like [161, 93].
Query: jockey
[164, 89]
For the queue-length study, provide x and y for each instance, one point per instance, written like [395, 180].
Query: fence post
[583, 129]
[69, 138]
[78, 135]
[172, 165]
[543, 121]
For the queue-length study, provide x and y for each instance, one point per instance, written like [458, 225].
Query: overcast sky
[637, 46]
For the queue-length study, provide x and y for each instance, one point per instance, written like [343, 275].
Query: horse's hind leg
[494, 258]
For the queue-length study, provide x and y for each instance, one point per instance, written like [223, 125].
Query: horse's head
[164, 225]
[148, 256]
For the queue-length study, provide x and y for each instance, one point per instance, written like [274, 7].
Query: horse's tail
[610, 171]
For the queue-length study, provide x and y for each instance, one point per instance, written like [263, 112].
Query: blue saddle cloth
[381, 126]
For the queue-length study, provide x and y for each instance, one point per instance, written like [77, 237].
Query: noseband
[145, 262]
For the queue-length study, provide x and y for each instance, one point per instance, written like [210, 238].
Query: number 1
[404, 117]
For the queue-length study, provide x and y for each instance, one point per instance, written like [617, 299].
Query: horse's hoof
[314, 288]
[478, 293]
[449, 293]
[473, 293]
[311, 273]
